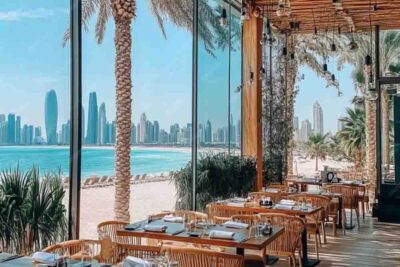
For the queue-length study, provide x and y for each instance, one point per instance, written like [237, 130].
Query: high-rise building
[143, 127]
[102, 125]
[173, 132]
[27, 135]
[65, 133]
[305, 130]
[318, 120]
[51, 116]
[11, 129]
[113, 133]
[208, 133]
[91, 136]
[18, 130]
[3, 132]
[156, 131]
[133, 134]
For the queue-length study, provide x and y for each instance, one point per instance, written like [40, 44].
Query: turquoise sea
[95, 160]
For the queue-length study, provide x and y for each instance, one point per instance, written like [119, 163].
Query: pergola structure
[305, 17]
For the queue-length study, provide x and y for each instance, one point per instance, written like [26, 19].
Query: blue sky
[33, 62]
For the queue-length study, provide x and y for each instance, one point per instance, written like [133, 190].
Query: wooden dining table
[26, 261]
[293, 212]
[176, 232]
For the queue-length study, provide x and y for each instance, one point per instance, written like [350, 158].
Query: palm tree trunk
[123, 45]
[316, 163]
[371, 146]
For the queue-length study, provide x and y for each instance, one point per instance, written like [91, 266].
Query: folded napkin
[287, 202]
[272, 190]
[136, 262]
[283, 207]
[81, 264]
[155, 228]
[132, 226]
[221, 234]
[239, 199]
[314, 192]
[236, 204]
[173, 219]
[237, 225]
[44, 257]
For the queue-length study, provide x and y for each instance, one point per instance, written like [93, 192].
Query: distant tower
[102, 125]
[91, 136]
[50, 116]
[143, 120]
[18, 130]
[11, 129]
[305, 131]
[208, 132]
[156, 134]
[318, 121]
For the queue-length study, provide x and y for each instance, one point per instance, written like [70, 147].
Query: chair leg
[358, 217]
[300, 259]
[294, 260]
[316, 246]
[324, 233]
[289, 261]
[319, 239]
[334, 226]
[344, 221]
[363, 209]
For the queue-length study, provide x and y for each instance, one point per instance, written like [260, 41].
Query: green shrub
[32, 213]
[219, 176]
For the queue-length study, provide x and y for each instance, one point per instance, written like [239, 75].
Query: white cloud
[17, 15]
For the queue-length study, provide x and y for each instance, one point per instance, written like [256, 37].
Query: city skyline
[101, 131]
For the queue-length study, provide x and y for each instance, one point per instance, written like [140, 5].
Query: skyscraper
[133, 134]
[305, 130]
[65, 133]
[208, 132]
[51, 116]
[102, 125]
[318, 120]
[11, 129]
[18, 130]
[91, 137]
[143, 127]
[156, 127]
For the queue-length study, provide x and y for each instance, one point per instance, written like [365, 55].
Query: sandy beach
[149, 197]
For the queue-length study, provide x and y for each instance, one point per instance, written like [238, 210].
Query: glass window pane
[35, 107]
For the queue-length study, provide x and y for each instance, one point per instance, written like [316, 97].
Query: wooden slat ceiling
[349, 15]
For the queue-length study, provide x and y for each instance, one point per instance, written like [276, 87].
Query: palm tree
[123, 12]
[353, 135]
[317, 148]
[390, 58]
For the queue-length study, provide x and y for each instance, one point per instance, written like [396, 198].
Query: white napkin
[221, 234]
[237, 225]
[314, 192]
[240, 199]
[155, 228]
[136, 262]
[173, 219]
[272, 190]
[44, 257]
[283, 207]
[287, 202]
[235, 204]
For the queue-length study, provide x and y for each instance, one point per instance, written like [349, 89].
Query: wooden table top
[260, 209]
[26, 261]
[240, 239]
[319, 182]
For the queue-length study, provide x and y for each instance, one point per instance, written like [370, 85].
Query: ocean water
[95, 160]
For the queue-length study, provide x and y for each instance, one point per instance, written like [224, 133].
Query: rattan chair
[110, 228]
[196, 257]
[144, 252]
[363, 199]
[217, 210]
[101, 250]
[250, 219]
[349, 199]
[286, 244]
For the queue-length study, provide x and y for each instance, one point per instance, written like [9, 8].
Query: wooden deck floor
[373, 244]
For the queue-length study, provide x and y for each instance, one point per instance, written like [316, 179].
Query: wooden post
[252, 97]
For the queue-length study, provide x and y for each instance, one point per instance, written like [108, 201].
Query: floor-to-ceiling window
[34, 112]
